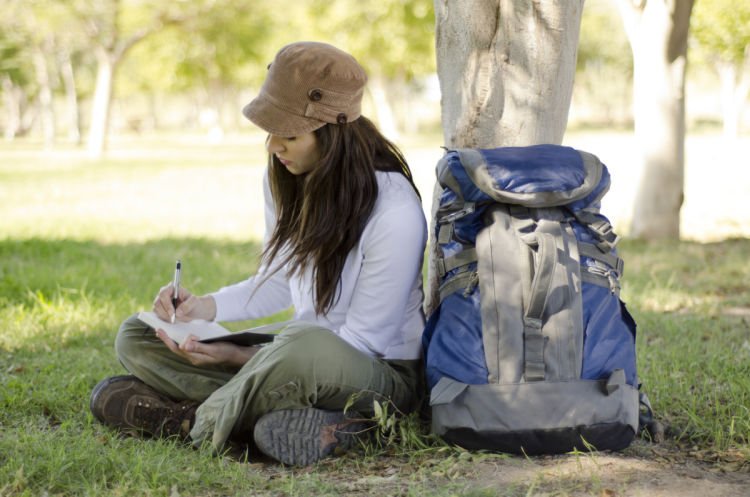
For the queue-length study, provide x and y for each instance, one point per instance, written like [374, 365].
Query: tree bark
[658, 31]
[506, 70]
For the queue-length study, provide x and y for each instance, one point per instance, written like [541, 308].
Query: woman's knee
[313, 345]
[129, 337]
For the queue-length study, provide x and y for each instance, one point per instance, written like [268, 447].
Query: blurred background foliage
[192, 64]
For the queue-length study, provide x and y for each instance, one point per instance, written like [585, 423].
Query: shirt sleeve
[393, 250]
[260, 295]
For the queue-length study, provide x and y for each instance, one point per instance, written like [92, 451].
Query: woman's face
[299, 154]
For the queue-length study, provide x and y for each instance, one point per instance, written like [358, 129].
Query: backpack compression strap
[546, 257]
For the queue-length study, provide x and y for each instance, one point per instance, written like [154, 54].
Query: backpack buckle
[604, 231]
[468, 208]
[601, 228]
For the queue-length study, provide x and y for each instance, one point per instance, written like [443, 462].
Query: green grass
[692, 303]
[85, 244]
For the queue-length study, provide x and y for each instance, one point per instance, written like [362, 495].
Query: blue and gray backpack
[530, 349]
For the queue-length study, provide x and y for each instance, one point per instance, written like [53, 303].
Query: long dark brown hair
[322, 214]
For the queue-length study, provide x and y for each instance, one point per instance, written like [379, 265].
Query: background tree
[228, 53]
[36, 29]
[658, 33]
[114, 27]
[212, 58]
[210, 51]
[722, 30]
[506, 71]
[392, 39]
[603, 86]
[16, 76]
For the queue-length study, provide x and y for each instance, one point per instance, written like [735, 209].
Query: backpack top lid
[533, 176]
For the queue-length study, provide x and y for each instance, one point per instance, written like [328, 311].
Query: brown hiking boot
[128, 404]
[299, 437]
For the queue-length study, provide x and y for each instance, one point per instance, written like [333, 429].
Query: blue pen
[176, 287]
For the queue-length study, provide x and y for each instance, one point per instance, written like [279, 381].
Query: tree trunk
[46, 103]
[506, 71]
[734, 90]
[153, 110]
[383, 109]
[729, 110]
[12, 96]
[98, 127]
[657, 31]
[71, 97]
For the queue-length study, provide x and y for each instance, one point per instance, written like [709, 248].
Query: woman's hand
[208, 354]
[189, 306]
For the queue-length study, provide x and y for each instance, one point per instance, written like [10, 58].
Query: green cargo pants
[305, 366]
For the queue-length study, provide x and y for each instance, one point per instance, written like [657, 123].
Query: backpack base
[606, 436]
[537, 417]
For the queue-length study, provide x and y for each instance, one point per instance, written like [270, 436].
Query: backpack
[530, 349]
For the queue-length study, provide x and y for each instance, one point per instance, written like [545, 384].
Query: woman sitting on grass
[345, 237]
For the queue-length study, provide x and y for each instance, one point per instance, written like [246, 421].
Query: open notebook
[210, 331]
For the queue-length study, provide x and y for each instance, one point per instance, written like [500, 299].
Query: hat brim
[277, 121]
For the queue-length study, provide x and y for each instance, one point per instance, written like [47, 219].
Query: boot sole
[292, 436]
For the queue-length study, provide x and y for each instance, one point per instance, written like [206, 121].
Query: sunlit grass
[43, 322]
[148, 190]
[134, 196]
[694, 347]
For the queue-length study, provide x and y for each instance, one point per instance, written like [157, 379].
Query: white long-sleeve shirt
[379, 304]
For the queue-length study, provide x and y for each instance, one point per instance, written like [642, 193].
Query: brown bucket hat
[309, 84]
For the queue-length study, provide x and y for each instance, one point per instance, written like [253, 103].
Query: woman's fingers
[186, 310]
[207, 354]
[184, 350]
[184, 294]
[190, 344]
[163, 303]
[171, 344]
[163, 306]
[190, 350]
[195, 307]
